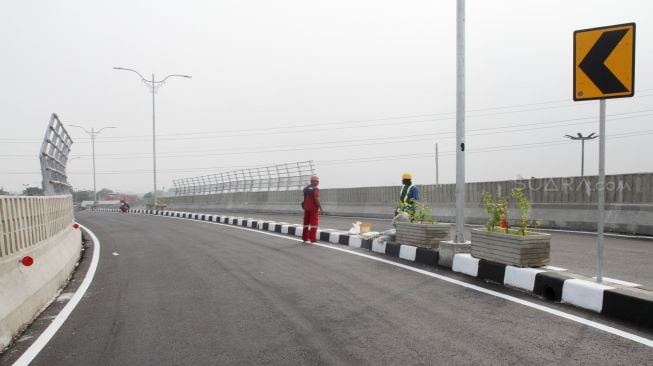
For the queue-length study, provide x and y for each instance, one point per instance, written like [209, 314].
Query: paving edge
[618, 303]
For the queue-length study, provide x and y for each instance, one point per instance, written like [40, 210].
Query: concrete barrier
[558, 203]
[42, 228]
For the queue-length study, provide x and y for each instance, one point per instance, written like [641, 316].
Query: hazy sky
[363, 88]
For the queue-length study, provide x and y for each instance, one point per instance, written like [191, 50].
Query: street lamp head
[132, 70]
[104, 128]
[85, 130]
[174, 75]
[580, 136]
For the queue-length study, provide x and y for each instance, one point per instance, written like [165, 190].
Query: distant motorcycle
[124, 206]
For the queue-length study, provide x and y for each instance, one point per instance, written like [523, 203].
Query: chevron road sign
[604, 62]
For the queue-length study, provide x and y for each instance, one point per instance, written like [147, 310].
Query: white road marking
[613, 235]
[115, 253]
[619, 282]
[532, 305]
[557, 269]
[52, 329]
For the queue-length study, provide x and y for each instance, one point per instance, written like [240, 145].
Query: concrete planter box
[422, 235]
[532, 250]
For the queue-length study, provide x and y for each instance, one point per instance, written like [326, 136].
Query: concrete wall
[562, 203]
[42, 228]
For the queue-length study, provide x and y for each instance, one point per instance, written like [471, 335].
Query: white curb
[408, 252]
[378, 246]
[523, 278]
[465, 263]
[355, 241]
[586, 294]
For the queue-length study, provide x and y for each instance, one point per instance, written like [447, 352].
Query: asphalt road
[181, 292]
[626, 259]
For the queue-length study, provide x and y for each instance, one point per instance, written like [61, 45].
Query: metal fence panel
[284, 177]
[53, 157]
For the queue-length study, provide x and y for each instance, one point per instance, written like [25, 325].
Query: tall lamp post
[153, 85]
[582, 138]
[93, 134]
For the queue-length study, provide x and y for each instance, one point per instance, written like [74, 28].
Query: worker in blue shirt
[409, 194]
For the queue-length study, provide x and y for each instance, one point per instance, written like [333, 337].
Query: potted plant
[421, 230]
[513, 246]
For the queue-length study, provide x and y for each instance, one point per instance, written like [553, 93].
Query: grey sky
[367, 83]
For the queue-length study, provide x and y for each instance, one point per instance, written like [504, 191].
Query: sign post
[604, 67]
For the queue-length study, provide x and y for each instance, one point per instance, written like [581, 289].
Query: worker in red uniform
[311, 206]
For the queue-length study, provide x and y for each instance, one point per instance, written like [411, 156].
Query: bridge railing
[26, 221]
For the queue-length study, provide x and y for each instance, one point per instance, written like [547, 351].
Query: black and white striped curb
[624, 304]
[619, 303]
[406, 252]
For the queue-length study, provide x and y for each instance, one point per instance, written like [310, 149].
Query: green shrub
[418, 213]
[494, 209]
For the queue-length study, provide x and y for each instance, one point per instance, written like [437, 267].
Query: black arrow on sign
[594, 63]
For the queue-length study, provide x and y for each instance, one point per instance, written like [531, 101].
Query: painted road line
[619, 282]
[52, 329]
[556, 269]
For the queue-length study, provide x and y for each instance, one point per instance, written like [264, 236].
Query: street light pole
[437, 167]
[93, 147]
[582, 138]
[93, 133]
[154, 198]
[153, 85]
[460, 121]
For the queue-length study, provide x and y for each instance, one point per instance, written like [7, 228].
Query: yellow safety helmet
[406, 175]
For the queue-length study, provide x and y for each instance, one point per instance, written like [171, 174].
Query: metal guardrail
[54, 155]
[26, 221]
[283, 177]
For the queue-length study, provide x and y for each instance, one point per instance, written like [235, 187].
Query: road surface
[180, 292]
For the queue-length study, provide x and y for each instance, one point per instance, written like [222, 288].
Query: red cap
[315, 178]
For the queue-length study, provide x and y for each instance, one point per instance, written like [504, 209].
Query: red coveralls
[310, 213]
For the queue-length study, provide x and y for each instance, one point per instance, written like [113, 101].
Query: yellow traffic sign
[604, 62]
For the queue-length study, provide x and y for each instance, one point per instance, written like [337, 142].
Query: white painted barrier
[586, 294]
[465, 263]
